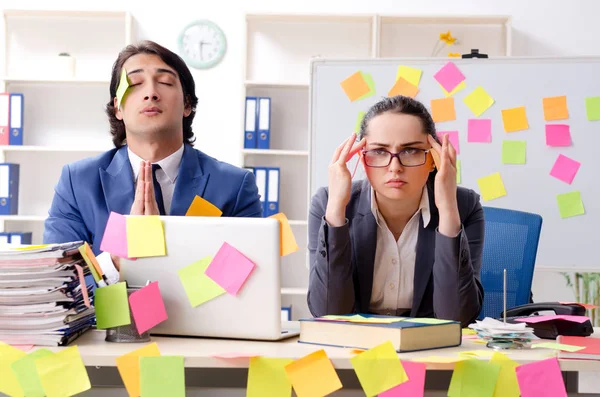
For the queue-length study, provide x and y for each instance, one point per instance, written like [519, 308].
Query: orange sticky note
[313, 375]
[129, 367]
[555, 108]
[443, 109]
[403, 87]
[515, 119]
[355, 86]
[202, 207]
[286, 236]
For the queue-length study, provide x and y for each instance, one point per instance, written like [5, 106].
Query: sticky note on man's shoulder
[286, 236]
[202, 207]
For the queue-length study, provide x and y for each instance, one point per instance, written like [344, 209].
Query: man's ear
[118, 113]
[187, 109]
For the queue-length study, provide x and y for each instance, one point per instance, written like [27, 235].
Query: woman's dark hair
[401, 105]
[117, 127]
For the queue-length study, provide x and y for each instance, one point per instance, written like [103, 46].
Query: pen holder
[127, 333]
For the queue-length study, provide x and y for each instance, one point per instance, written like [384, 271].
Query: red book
[591, 344]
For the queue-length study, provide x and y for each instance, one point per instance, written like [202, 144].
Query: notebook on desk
[253, 313]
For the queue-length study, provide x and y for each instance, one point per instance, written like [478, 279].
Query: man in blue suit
[153, 169]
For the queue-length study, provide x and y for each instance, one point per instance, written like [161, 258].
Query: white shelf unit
[278, 53]
[64, 119]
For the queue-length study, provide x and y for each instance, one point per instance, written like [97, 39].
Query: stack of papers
[493, 330]
[46, 294]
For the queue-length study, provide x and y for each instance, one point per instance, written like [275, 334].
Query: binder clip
[474, 54]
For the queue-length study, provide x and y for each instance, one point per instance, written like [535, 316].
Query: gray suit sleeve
[330, 285]
[457, 289]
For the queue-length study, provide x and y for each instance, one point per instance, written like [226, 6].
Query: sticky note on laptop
[286, 236]
[145, 236]
[230, 269]
[198, 287]
[202, 207]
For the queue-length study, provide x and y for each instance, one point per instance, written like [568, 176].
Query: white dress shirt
[394, 268]
[166, 175]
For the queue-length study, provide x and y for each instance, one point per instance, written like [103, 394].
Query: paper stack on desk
[490, 329]
[45, 294]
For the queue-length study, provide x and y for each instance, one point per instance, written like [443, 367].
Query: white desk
[203, 370]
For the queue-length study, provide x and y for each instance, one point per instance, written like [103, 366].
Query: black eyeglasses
[409, 157]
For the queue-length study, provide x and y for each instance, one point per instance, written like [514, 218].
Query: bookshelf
[63, 118]
[279, 48]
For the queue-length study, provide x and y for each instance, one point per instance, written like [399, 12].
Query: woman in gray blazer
[404, 241]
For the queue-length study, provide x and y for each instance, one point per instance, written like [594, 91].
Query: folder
[4, 238]
[9, 188]
[16, 119]
[272, 192]
[20, 238]
[286, 313]
[264, 122]
[250, 136]
[4, 117]
[261, 184]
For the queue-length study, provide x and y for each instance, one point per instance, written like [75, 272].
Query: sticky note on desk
[592, 108]
[313, 375]
[557, 346]
[443, 109]
[379, 369]
[162, 376]
[112, 306]
[478, 101]
[287, 240]
[479, 130]
[410, 74]
[9, 383]
[230, 269]
[145, 236]
[114, 239]
[202, 207]
[514, 152]
[129, 367]
[26, 373]
[147, 307]
[63, 373]
[558, 135]
[555, 108]
[426, 320]
[267, 377]
[565, 168]
[414, 386]
[570, 204]
[491, 187]
[507, 385]
[355, 86]
[449, 76]
[403, 87]
[474, 378]
[541, 378]
[515, 119]
[198, 287]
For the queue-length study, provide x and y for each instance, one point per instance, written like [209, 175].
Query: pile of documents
[46, 294]
[493, 330]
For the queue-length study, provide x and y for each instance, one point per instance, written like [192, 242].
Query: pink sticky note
[541, 378]
[452, 137]
[114, 239]
[565, 169]
[558, 135]
[84, 290]
[147, 307]
[230, 269]
[565, 317]
[414, 387]
[479, 130]
[449, 76]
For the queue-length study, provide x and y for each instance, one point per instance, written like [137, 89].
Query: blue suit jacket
[88, 190]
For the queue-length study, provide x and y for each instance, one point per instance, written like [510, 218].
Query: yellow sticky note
[478, 353]
[443, 109]
[555, 108]
[357, 318]
[63, 373]
[491, 187]
[427, 320]
[438, 359]
[129, 367]
[9, 384]
[469, 331]
[456, 89]
[379, 369]
[507, 384]
[122, 87]
[515, 119]
[403, 87]
[31, 247]
[478, 101]
[287, 240]
[202, 207]
[145, 236]
[458, 170]
[557, 346]
[412, 75]
[267, 377]
[355, 86]
[313, 375]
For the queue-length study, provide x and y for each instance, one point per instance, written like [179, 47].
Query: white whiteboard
[512, 82]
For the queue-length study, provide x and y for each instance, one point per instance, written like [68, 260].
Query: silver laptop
[254, 313]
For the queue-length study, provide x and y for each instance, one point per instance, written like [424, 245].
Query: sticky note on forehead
[122, 87]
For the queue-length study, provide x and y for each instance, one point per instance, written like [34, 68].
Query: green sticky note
[162, 376]
[369, 80]
[458, 171]
[479, 378]
[359, 118]
[592, 108]
[63, 373]
[557, 346]
[570, 204]
[267, 377]
[9, 383]
[427, 320]
[26, 373]
[112, 306]
[122, 87]
[455, 388]
[507, 384]
[379, 369]
[514, 152]
[198, 287]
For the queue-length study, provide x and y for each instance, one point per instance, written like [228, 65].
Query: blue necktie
[157, 190]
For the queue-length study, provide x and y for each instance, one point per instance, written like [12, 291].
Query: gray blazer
[447, 270]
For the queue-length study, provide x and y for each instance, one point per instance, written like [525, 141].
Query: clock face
[202, 44]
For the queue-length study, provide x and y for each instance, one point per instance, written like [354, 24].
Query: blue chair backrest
[511, 243]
